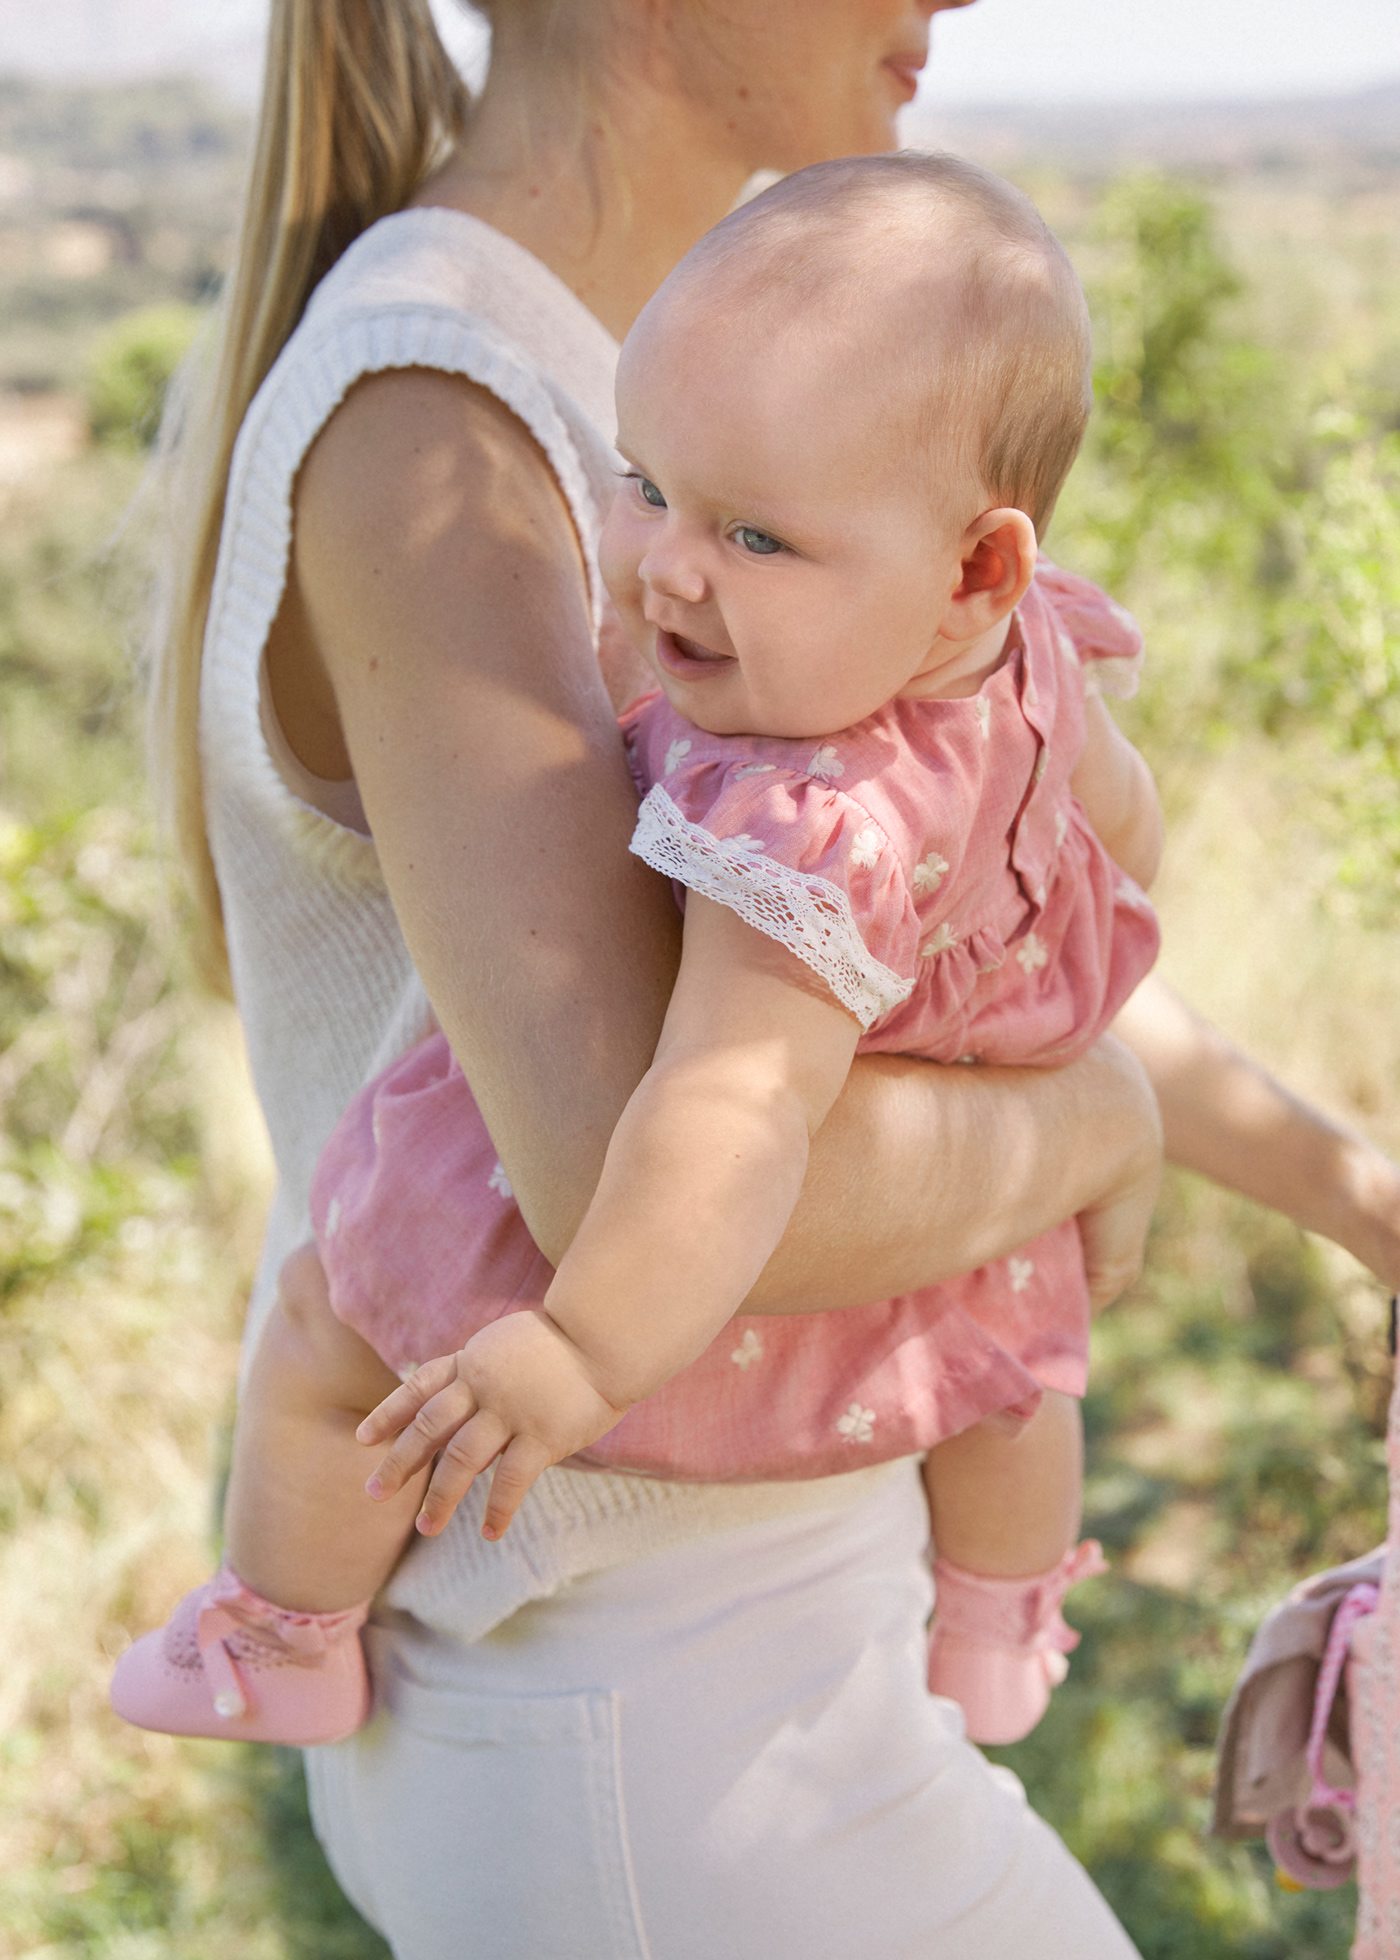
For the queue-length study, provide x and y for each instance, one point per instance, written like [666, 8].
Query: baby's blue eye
[650, 494]
[758, 542]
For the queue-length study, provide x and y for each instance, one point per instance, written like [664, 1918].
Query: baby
[879, 769]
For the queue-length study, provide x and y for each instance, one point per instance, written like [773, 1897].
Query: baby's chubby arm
[700, 1178]
[1115, 786]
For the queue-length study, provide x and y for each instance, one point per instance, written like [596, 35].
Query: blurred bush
[130, 369]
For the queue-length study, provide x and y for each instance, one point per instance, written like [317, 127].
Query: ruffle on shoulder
[1105, 637]
[797, 860]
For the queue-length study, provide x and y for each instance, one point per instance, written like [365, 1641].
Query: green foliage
[1183, 398]
[130, 370]
[1329, 664]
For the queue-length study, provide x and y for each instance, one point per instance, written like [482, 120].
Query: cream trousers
[723, 1751]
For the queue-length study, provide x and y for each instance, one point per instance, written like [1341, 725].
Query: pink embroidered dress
[933, 868]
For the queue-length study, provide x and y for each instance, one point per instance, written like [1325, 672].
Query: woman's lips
[687, 660]
[905, 69]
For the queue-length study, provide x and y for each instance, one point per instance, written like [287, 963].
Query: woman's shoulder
[435, 258]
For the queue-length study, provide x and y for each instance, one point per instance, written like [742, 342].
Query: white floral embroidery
[826, 764]
[677, 754]
[857, 1425]
[929, 874]
[333, 1218]
[1022, 1272]
[1061, 827]
[945, 937]
[982, 708]
[749, 1350]
[741, 841]
[499, 1182]
[1042, 763]
[865, 848]
[1031, 953]
[756, 769]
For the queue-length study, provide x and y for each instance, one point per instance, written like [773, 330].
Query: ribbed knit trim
[578, 1521]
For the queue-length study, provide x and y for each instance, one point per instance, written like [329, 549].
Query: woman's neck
[609, 202]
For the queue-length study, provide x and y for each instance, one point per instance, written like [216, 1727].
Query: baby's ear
[997, 560]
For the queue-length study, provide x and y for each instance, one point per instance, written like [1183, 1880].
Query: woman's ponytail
[360, 100]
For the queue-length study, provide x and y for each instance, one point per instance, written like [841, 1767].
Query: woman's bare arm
[442, 586]
[1228, 1118]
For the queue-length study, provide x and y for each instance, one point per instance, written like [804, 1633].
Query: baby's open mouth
[693, 650]
[687, 660]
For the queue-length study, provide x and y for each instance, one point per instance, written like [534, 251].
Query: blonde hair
[1001, 376]
[360, 100]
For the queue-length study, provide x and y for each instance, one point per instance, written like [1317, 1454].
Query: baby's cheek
[618, 562]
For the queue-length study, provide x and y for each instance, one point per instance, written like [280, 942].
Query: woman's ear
[997, 557]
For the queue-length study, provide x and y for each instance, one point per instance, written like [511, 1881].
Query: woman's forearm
[1227, 1118]
[922, 1172]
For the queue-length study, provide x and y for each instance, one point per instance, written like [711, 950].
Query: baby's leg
[298, 1527]
[268, 1650]
[1005, 1514]
[1007, 1502]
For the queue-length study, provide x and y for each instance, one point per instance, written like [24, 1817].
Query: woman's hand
[1114, 1227]
[1365, 1215]
[520, 1390]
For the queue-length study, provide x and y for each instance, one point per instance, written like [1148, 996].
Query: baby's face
[774, 550]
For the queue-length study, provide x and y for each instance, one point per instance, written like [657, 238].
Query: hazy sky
[1022, 50]
[1049, 50]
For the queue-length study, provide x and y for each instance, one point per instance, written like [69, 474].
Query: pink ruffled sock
[998, 1646]
[229, 1663]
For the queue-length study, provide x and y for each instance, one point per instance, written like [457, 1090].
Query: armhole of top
[289, 412]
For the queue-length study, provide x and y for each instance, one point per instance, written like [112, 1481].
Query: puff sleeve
[794, 857]
[1105, 637]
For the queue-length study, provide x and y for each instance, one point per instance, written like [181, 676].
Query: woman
[402, 639]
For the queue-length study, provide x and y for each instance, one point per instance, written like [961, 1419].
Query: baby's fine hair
[991, 354]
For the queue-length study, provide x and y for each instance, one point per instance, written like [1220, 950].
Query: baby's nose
[670, 574]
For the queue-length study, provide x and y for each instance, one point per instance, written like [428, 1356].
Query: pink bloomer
[932, 868]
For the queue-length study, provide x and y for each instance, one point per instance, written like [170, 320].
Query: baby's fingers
[417, 1445]
[462, 1461]
[398, 1409]
[517, 1470]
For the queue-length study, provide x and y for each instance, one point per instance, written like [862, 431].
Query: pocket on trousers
[499, 1828]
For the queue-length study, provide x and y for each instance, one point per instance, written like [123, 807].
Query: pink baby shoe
[998, 1646]
[229, 1663]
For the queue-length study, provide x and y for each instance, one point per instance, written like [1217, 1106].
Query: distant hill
[1358, 132]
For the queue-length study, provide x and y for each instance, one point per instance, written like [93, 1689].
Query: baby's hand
[520, 1390]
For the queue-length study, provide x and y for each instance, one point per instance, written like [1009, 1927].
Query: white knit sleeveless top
[324, 983]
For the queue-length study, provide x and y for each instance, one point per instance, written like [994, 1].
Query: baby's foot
[229, 1663]
[998, 1646]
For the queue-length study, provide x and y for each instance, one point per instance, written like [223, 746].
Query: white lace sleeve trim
[809, 915]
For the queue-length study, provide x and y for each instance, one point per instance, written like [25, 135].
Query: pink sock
[998, 1646]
